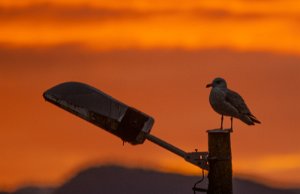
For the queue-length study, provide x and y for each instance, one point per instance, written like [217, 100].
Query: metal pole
[166, 145]
[220, 167]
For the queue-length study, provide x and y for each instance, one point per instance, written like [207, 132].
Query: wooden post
[220, 167]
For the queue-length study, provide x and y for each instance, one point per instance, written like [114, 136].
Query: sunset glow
[241, 25]
[156, 56]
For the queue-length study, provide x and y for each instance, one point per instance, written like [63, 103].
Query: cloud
[78, 13]
[114, 27]
[40, 12]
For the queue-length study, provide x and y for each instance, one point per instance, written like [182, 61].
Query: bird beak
[208, 85]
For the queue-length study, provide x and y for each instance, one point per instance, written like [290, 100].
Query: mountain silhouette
[117, 180]
[121, 180]
[32, 190]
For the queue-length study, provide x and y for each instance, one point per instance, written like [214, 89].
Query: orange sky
[121, 24]
[157, 57]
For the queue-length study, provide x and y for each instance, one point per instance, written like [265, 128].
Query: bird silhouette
[229, 103]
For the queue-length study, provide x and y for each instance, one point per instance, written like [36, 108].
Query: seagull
[229, 103]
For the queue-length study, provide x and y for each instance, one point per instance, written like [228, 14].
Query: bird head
[218, 82]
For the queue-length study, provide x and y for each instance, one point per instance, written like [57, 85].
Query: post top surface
[219, 131]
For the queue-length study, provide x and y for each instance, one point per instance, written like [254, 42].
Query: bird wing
[237, 101]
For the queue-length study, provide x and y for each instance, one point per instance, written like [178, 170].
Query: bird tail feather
[254, 119]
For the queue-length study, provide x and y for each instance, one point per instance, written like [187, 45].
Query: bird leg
[222, 122]
[231, 128]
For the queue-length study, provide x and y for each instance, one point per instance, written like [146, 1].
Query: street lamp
[134, 126]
